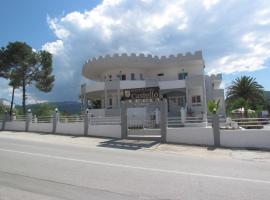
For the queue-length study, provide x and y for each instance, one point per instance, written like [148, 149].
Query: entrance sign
[141, 93]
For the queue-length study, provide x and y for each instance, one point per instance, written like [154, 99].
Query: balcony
[173, 84]
[95, 86]
[130, 84]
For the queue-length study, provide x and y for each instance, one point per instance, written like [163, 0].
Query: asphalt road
[39, 170]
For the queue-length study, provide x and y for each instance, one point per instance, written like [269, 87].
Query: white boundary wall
[190, 135]
[252, 138]
[113, 131]
[15, 126]
[76, 128]
[248, 138]
[41, 127]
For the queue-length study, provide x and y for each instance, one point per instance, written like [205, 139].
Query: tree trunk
[12, 100]
[24, 96]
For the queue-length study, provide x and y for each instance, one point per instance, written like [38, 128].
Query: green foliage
[2, 110]
[246, 88]
[23, 67]
[244, 92]
[213, 106]
[43, 109]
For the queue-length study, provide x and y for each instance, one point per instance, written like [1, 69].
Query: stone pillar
[55, 120]
[216, 130]
[183, 115]
[28, 120]
[123, 120]
[163, 119]
[86, 122]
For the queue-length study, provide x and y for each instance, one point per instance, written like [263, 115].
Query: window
[196, 100]
[123, 77]
[110, 77]
[160, 74]
[182, 76]
[141, 76]
[110, 103]
[118, 76]
[132, 76]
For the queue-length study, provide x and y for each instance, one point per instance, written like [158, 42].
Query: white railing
[71, 119]
[43, 119]
[250, 123]
[104, 120]
[20, 118]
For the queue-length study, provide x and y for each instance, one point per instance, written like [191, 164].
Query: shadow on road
[128, 144]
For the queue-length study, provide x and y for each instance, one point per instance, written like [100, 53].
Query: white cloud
[233, 35]
[208, 4]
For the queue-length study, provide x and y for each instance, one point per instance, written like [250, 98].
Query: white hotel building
[180, 79]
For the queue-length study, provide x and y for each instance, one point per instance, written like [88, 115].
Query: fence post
[28, 120]
[5, 117]
[123, 120]
[163, 119]
[55, 120]
[183, 115]
[216, 131]
[86, 122]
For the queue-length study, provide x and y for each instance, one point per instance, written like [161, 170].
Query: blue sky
[233, 35]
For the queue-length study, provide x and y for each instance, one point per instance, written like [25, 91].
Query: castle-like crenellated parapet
[197, 55]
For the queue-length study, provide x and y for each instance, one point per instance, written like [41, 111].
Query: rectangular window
[196, 100]
[123, 77]
[160, 74]
[182, 76]
[132, 76]
[110, 103]
[141, 76]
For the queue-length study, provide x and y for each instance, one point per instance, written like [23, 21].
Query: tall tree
[28, 67]
[14, 83]
[246, 88]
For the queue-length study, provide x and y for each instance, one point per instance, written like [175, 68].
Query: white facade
[180, 78]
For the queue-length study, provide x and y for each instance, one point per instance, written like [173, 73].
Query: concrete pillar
[123, 120]
[205, 117]
[55, 120]
[35, 119]
[216, 131]
[163, 119]
[13, 117]
[157, 116]
[28, 120]
[5, 119]
[183, 115]
[86, 122]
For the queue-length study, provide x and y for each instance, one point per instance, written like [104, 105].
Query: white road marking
[138, 167]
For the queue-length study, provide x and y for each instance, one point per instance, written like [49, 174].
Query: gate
[144, 119]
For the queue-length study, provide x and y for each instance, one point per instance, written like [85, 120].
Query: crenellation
[115, 55]
[149, 57]
[141, 55]
[108, 56]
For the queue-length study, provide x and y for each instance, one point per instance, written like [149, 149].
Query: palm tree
[246, 88]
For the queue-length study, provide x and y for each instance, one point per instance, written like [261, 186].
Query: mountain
[71, 107]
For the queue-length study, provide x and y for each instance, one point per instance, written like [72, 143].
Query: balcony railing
[129, 84]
